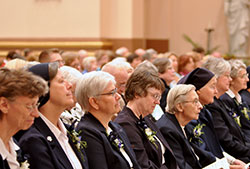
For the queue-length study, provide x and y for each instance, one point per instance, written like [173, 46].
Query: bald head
[119, 71]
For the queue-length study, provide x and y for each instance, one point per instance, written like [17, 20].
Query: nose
[117, 96]
[68, 85]
[199, 106]
[35, 113]
[157, 101]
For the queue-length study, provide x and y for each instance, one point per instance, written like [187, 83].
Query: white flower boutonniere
[197, 132]
[245, 111]
[236, 117]
[24, 165]
[79, 144]
[148, 131]
[115, 140]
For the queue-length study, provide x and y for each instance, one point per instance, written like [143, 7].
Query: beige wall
[50, 18]
[115, 19]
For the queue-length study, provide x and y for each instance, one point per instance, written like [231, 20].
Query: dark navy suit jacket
[147, 154]
[100, 151]
[163, 101]
[3, 163]
[232, 105]
[208, 147]
[231, 137]
[172, 132]
[44, 151]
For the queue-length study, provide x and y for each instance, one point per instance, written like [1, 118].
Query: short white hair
[218, 66]
[90, 85]
[70, 74]
[177, 95]
[236, 66]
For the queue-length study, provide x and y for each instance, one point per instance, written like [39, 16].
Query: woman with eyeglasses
[143, 93]
[231, 136]
[201, 132]
[19, 93]
[238, 109]
[182, 106]
[107, 144]
[49, 143]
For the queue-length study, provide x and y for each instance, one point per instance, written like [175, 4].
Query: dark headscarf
[44, 70]
[199, 77]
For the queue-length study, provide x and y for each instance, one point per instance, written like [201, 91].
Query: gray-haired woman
[182, 106]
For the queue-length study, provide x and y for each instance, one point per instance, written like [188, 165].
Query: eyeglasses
[113, 92]
[195, 102]
[156, 96]
[244, 75]
[32, 107]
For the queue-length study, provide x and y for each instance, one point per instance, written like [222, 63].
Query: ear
[94, 103]
[198, 92]
[4, 105]
[179, 107]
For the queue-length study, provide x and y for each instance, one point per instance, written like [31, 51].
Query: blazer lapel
[79, 153]
[121, 135]
[52, 141]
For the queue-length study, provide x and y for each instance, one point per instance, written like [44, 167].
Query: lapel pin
[49, 138]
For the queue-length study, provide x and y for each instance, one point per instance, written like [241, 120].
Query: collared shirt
[61, 136]
[232, 95]
[185, 135]
[163, 149]
[10, 156]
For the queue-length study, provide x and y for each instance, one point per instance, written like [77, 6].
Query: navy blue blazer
[208, 145]
[245, 95]
[147, 154]
[231, 138]
[163, 101]
[44, 151]
[235, 107]
[3, 163]
[172, 132]
[102, 154]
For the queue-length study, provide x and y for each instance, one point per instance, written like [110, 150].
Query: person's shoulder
[164, 121]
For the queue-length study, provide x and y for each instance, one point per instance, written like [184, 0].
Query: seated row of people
[185, 137]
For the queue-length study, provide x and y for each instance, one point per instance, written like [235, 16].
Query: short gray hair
[177, 95]
[110, 67]
[87, 62]
[218, 66]
[70, 74]
[236, 66]
[90, 85]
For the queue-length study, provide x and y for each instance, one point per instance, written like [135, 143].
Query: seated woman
[201, 132]
[48, 142]
[73, 113]
[232, 99]
[185, 64]
[245, 93]
[183, 106]
[166, 73]
[107, 144]
[19, 93]
[231, 137]
[143, 93]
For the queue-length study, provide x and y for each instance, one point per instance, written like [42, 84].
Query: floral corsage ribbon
[79, 144]
[23, 160]
[235, 117]
[243, 109]
[114, 139]
[150, 134]
[197, 132]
